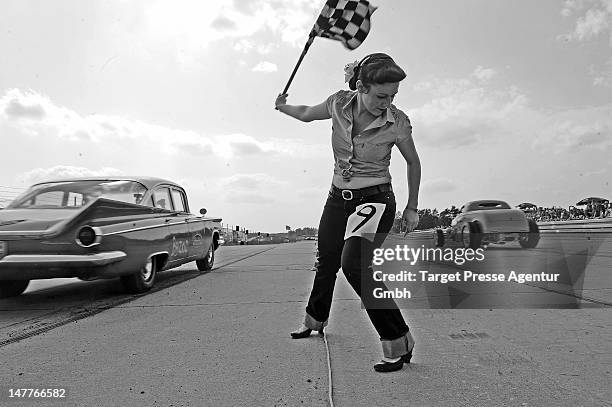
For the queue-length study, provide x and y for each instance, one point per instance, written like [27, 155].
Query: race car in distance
[90, 228]
[485, 222]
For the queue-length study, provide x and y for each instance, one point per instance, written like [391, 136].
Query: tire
[530, 240]
[142, 281]
[13, 288]
[471, 235]
[439, 238]
[206, 263]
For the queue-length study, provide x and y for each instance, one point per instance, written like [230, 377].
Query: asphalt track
[221, 339]
[47, 304]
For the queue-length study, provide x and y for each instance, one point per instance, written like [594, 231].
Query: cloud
[232, 145]
[602, 76]
[250, 198]
[591, 25]
[246, 181]
[223, 23]
[438, 185]
[245, 45]
[192, 24]
[265, 66]
[245, 6]
[571, 6]
[266, 48]
[37, 116]
[246, 147]
[67, 130]
[587, 129]
[465, 111]
[202, 148]
[256, 188]
[63, 172]
[602, 171]
[594, 19]
[422, 86]
[22, 106]
[483, 74]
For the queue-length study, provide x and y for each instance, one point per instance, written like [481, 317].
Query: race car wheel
[208, 261]
[439, 238]
[143, 280]
[531, 239]
[471, 235]
[13, 288]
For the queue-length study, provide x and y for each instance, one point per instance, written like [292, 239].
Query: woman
[365, 126]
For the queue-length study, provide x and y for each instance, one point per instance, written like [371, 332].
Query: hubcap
[210, 254]
[147, 270]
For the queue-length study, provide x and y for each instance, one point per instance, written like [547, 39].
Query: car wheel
[143, 280]
[531, 239]
[208, 261]
[439, 238]
[471, 235]
[13, 288]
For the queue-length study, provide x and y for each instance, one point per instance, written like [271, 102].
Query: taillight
[88, 236]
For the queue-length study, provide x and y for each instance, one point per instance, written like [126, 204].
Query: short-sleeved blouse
[367, 154]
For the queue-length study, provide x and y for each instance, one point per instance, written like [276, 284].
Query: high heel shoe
[406, 358]
[383, 366]
[304, 333]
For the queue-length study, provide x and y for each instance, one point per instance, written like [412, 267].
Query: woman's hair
[376, 68]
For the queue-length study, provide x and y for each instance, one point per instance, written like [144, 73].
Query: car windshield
[71, 194]
[484, 205]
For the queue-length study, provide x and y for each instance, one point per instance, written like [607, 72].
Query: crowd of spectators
[590, 211]
[431, 218]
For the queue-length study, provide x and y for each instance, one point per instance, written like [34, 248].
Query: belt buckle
[347, 194]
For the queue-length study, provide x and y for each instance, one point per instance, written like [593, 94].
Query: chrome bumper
[61, 260]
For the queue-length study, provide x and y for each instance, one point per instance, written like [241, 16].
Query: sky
[508, 100]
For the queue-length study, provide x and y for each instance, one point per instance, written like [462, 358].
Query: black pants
[336, 252]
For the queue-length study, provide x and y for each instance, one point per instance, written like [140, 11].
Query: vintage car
[484, 222]
[90, 228]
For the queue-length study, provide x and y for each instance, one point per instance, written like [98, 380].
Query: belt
[350, 194]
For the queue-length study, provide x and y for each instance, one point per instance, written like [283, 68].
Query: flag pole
[308, 43]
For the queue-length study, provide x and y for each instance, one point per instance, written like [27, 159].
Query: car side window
[179, 201]
[50, 198]
[161, 198]
[75, 199]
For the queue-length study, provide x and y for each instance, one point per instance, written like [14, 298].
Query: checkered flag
[344, 20]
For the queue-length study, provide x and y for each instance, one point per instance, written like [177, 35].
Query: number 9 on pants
[364, 221]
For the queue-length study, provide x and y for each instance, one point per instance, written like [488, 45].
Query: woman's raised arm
[302, 112]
